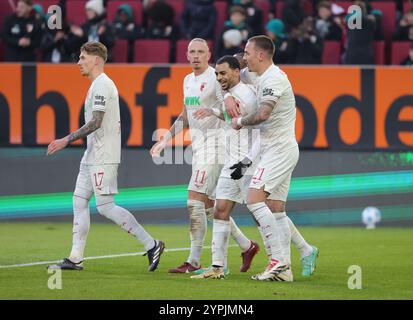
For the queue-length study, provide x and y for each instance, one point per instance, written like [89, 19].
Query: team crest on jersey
[99, 101]
[267, 92]
[203, 85]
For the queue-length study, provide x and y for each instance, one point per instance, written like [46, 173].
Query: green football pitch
[384, 255]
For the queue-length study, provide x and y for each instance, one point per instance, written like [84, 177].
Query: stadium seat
[222, 15]
[331, 52]
[152, 51]
[136, 6]
[379, 52]
[181, 48]
[120, 51]
[399, 51]
[178, 7]
[75, 12]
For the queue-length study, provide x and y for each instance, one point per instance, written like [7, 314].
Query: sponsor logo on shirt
[267, 92]
[192, 101]
[99, 101]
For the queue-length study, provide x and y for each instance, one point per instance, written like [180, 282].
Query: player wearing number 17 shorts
[99, 166]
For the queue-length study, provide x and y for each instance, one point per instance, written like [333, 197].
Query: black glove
[240, 169]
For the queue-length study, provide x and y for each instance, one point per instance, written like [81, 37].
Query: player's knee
[221, 211]
[80, 202]
[257, 209]
[104, 204]
[276, 205]
[195, 206]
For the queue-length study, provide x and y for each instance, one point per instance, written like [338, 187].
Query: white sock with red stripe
[81, 225]
[198, 228]
[220, 237]
[266, 220]
[298, 240]
[284, 234]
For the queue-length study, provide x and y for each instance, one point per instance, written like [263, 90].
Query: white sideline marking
[30, 264]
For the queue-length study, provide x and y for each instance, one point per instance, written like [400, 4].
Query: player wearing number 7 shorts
[99, 166]
[201, 89]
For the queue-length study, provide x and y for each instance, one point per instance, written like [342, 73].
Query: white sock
[284, 234]
[266, 220]
[198, 228]
[239, 237]
[265, 241]
[81, 225]
[298, 240]
[220, 237]
[127, 222]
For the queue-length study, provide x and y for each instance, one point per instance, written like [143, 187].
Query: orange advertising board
[337, 107]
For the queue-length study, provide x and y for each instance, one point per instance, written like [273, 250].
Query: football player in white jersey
[279, 155]
[201, 89]
[308, 253]
[242, 149]
[99, 166]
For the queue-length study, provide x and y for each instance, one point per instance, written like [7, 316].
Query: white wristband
[228, 94]
[216, 112]
[239, 122]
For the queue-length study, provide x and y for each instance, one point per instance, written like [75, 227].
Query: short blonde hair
[95, 48]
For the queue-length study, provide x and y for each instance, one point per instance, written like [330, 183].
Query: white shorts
[274, 173]
[233, 190]
[204, 178]
[98, 179]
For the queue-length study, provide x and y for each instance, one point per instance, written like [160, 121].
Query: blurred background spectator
[254, 15]
[328, 26]
[55, 44]
[159, 21]
[275, 30]
[96, 28]
[237, 21]
[198, 19]
[304, 46]
[292, 14]
[22, 33]
[360, 42]
[232, 43]
[404, 31]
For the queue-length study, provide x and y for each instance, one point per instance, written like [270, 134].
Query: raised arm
[180, 123]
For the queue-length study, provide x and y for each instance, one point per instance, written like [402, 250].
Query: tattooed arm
[88, 128]
[81, 133]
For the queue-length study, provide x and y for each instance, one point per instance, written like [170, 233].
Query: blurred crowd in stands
[158, 31]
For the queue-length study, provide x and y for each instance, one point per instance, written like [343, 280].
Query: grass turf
[385, 256]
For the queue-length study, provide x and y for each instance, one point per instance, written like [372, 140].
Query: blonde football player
[99, 166]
